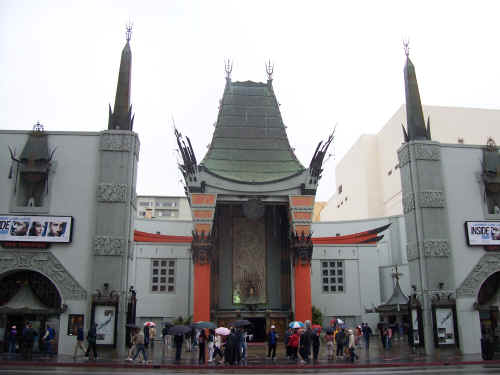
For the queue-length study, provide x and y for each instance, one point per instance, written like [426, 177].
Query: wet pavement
[400, 355]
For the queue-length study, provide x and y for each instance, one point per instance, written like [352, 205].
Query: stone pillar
[301, 208]
[114, 219]
[424, 206]
[203, 212]
[469, 326]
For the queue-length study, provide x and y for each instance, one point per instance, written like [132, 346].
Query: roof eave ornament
[189, 165]
[128, 28]
[228, 68]
[269, 72]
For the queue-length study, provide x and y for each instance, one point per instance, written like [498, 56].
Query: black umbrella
[201, 325]
[168, 324]
[240, 323]
[179, 330]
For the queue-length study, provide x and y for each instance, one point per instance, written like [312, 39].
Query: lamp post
[131, 312]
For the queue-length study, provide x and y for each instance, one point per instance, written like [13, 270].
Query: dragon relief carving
[47, 264]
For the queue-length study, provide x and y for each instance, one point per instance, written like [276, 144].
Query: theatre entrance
[27, 296]
[257, 329]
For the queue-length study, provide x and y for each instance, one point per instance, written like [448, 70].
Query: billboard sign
[483, 233]
[48, 229]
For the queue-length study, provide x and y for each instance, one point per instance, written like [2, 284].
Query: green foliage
[317, 316]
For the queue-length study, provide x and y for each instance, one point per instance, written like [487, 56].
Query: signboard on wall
[482, 233]
[444, 325]
[36, 228]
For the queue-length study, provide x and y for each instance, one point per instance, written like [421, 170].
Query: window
[144, 204]
[332, 276]
[163, 275]
[340, 189]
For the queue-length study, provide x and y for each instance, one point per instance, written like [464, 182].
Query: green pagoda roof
[250, 142]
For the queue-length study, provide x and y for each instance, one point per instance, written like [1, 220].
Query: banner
[35, 228]
[481, 233]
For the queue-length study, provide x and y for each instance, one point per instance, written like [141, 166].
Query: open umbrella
[168, 324]
[316, 327]
[179, 330]
[201, 325]
[223, 331]
[150, 324]
[340, 321]
[296, 324]
[241, 323]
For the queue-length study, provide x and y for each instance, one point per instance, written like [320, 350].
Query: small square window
[339, 264]
[333, 280]
[171, 280]
[163, 271]
[155, 271]
[325, 264]
[163, 280]
[332, 272]
[154, 288]
[325, 288]
[333, 288]
[170, 288]
[155, 279]
[162, 288]
[171, 263]
[155, 263]
[163, 263]
[325, 272]
[341, 288]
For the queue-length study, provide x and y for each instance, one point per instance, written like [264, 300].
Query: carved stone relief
[487, 265]
[404, 156]
[431, 248]
[436, 248]
[107, 245]
[116, 142]
[112, 192]
[412, 251]
[47, 264]
[431, 199]
[408, 203]
[427, 152]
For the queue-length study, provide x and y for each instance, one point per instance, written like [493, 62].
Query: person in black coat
[305, 342]
[315, 344]
[178, 340]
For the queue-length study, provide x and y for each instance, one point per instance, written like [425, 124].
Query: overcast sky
[335, 63]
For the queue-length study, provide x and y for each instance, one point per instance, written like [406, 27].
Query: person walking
[48, 340]
[305, 342]
[272, 339]
[367, 333]
[91, 342]
[351, 345]
[139, 339]
[79, 341]
[388, 337]
[211, 344]
[202, 340]
[12, 340]
[286, 340]
[28, 339]
[178, 340]
[243, 345]
[315, 344]
[329, 338]
[218, 349]
[293, 342]
[340, 339]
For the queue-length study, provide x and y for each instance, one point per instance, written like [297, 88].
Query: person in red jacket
[293, 342]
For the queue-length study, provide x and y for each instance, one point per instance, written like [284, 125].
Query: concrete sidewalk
[399, 355]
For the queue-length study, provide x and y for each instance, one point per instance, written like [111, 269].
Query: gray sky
[335, 62]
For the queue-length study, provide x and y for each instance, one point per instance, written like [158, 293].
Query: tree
[317, 316]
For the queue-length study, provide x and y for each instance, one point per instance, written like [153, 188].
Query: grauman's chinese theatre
[252, 204]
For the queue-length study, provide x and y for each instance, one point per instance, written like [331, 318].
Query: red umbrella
[316, 327]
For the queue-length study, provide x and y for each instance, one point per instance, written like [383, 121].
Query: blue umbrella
[296, 324]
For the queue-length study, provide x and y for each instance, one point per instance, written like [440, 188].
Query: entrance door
[258, 329]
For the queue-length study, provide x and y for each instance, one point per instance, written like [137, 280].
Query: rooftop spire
[414, 114]
[269, 71]
[121, 118]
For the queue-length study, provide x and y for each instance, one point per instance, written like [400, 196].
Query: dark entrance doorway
[489, 316]
[27, 296]
[257, 329]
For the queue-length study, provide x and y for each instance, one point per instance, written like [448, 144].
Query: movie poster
[105, 318]
[445, 326]
[249, 261]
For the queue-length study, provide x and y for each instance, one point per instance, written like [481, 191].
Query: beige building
[163, 207]
[368, 183]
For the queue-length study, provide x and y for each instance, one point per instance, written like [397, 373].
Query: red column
[303, 303]
[201, 292]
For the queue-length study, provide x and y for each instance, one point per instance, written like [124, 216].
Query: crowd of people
[25, 339]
